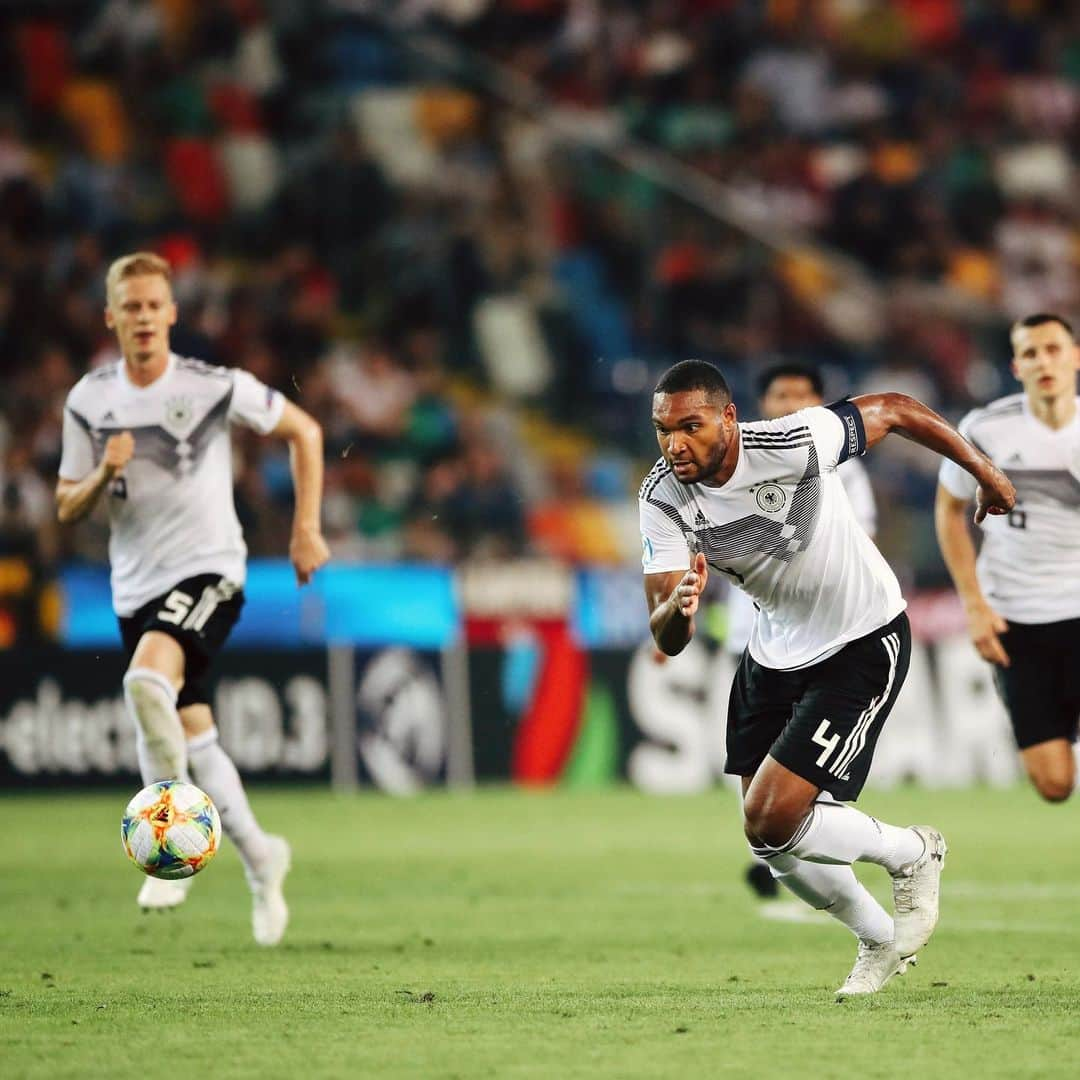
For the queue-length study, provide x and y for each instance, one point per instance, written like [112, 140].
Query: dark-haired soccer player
[762, 504]
[785, 388]
[149, 434]
[1022, 595]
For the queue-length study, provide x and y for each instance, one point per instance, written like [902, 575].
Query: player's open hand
[688, 592]
[994, 495]
[985, 626]
[307, 552]
[119, 450]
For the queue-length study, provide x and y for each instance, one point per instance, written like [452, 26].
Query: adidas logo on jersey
[700, 520]
[1014, 459]
[108, 416]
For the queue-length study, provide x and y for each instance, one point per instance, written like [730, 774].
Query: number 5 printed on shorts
[181, 610]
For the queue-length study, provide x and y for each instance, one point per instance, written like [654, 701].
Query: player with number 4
[762, 504]
[151, 433]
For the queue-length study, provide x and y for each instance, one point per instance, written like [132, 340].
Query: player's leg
[1051, 767]
[834, 889]
[266, 858]
[759, 709]
[1040, 691]
[828, 746]
[155, 672]
[154, 676]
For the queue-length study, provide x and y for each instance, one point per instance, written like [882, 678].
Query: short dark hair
[790, 370]
[1041, 319]
[694, 375]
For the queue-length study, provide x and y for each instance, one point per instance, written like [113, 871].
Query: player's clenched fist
[688, 592]
[119, 450]
[307, 552]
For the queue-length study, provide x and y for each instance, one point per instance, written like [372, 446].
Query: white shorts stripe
[856, 740]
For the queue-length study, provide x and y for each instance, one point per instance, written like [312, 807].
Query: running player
[151, 433]
[784, 389]
[761, 503]
[1022, 595]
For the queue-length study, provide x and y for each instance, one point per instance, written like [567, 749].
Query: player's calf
[151, 703]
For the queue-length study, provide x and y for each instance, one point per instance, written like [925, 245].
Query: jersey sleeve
[956, 481]
[663, 546]
[77, 453]
[254, 404]
[838, 430]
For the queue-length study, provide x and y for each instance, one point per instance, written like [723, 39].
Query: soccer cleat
[874, 966]
[916, 888]
[269, 912]
[761, 881]
[157, 894]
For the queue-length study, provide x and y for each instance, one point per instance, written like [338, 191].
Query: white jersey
[1029, 565]
[741, 611]
[783, 530]
[171, 513]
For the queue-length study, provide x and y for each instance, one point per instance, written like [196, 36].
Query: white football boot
[157, 894]
[269, 912]
[916, 889]
[874, 966]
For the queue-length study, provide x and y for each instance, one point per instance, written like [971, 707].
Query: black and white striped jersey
[171, 513]
[1029, 564]
[741, 611]
[783, 530]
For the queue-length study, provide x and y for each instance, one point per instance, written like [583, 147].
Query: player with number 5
[150, 432]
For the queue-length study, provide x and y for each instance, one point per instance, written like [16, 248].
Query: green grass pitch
[502, 934]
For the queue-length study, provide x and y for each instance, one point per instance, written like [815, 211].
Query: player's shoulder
[1001, 410]
[791, 432]
[200, 370]
[92, 385]
[654, 478]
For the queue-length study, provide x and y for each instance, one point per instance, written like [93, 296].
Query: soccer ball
[170, 829]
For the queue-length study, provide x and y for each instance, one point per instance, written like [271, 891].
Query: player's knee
[145, 686]
[767, 821]
[1054, 786]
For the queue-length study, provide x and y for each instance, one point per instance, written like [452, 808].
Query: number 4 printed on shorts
[822, 738]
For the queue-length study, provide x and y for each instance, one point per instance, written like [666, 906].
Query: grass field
[512, 935]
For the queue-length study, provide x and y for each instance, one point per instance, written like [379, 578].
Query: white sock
[216, 774]
[836, 833]
[1076, 760]
[159, 736]
[836, 890]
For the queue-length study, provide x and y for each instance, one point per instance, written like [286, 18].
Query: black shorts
[823, 721]
[1041, 685]
[199, 613]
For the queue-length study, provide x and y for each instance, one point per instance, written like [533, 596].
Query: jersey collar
[159, 381]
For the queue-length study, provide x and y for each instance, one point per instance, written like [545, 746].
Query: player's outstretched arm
[885, 413]
[673, 600]
[76, 498]
[307, 548]
[957, 549]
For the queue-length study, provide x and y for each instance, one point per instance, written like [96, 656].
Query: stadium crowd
[473, 295]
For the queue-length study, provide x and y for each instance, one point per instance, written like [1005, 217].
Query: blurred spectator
[375, 233]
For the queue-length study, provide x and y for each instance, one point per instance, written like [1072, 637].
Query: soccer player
[783, 389]
[762, 504]
[1022, 594]
[150, 433]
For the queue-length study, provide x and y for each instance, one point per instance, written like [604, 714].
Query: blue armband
[854, 444]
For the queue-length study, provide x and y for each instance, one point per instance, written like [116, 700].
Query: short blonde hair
[137, 264]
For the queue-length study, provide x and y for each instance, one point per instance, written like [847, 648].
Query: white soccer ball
[170, 829]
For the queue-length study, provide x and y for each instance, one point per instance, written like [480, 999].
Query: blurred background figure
[468, 261]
